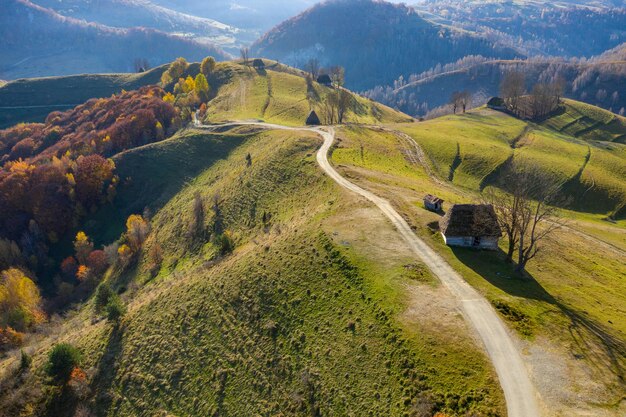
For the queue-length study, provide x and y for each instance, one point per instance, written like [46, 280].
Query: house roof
[432, 199]
[324, 79]
[258, 62]
[496, 101]
[313, 119]
[470, 220]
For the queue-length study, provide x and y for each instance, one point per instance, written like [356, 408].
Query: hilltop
[581, 148]
[382, 41]
[280, 94]
[40, 42]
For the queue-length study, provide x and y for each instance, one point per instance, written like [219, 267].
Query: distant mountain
[557, 28]
[133, 13]
[375, 41]
[602, 84]
[40, 42]
[253, 15]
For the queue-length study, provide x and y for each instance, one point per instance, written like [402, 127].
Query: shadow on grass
[106, 371]
[590, 339]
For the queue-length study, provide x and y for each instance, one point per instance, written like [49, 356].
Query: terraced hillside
[581, 149]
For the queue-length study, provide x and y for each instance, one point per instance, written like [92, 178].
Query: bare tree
[345, 102]
[512, 88]
[544, 99]
[197, 223]
[141, 65]
[328, 110]
[337, 75]
[245, 55]
[460, 99]
[528, 213]
[506, 207]
[454, 101]
[313, 68]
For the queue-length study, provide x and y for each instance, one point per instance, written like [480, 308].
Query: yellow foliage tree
[189, 85]
[20, 300]
[137, 229]
[169, 98]
[82, 247]
[202, 87]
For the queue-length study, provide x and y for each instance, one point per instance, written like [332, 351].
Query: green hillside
[298, 319]
[263, 288]
[281, 95]
[588, 122]
[579, 149]
[32, 99]
[571, 301]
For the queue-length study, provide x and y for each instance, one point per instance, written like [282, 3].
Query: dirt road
[518, 390]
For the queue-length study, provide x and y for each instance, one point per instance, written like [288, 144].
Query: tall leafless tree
[512, 88]
[527, 212]
[245, 55]
[313, 68]
[460, 99]
[337, 75]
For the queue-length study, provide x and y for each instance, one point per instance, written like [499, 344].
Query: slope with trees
[598, 82]
[382, 41]
[554, 28]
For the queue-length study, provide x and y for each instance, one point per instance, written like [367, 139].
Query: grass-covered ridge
[279, 94]
[472, 150]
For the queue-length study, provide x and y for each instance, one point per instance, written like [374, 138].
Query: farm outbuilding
[258, 64]
[471, 226]
[496, 103]
[313, 119]
[433, 203]
[325, 79]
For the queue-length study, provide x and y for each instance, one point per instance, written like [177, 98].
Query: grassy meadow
[573, 295]
[280, 95]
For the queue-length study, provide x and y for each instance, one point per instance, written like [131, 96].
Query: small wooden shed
[313, 119]
[258, 64]
[433, 203]
[325, 79]
[496, 103]
[471, 226]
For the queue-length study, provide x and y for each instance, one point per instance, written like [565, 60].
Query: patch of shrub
[62, 360]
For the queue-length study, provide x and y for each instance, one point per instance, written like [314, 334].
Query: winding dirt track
[518, 390]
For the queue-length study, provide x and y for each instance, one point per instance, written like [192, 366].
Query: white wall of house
[469, 242]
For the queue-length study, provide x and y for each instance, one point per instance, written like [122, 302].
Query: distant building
[496, 103]
[258, 64]
[313, 119]
[325, 79]
[471, 226]
[433, 203]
